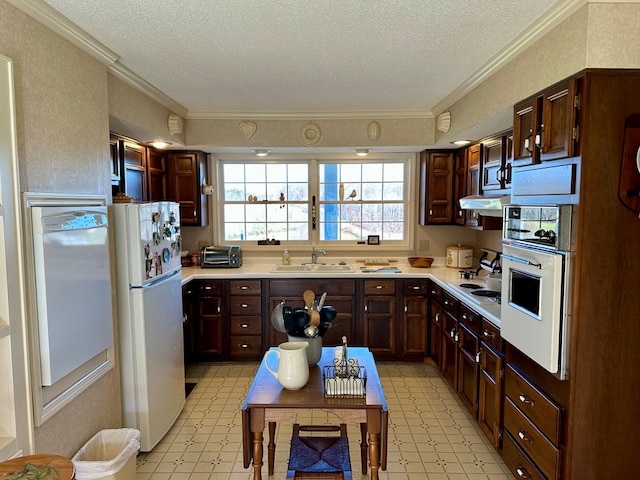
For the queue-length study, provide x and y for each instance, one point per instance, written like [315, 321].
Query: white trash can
[109, 455]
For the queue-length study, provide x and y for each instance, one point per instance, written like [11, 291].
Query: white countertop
[448, 278]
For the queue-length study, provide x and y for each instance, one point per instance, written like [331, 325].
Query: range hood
[487, 206]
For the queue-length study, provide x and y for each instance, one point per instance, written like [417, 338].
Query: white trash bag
[106, 453]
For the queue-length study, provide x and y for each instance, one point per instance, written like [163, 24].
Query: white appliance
[73, 284]
[147, 248]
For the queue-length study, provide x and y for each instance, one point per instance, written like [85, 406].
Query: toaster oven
[221, 257]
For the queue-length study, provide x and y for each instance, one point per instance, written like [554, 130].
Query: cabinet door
[186, 175]
[379, 324]
[492, 160]
[189, 322]
[459, 185]
[449, 345]
[525, 128]
[468, 368]
[559, 109]
[473, 180]
[435, 344]
[437, 195]
[157, 175]
[114, 162]
[415, 326]
[135, 171]
[210, 334]
[490, 394]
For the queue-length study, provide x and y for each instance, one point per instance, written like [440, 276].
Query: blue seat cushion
[319, 454]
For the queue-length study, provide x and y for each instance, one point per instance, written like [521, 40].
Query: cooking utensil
[308, 296]
[277, 318]
[322, 299]
[311, 331]
[314, 318]
[327, 314]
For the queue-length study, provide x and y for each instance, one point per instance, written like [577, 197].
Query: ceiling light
[461, 142]
[362, 152]
[261, 153]
[160, 144]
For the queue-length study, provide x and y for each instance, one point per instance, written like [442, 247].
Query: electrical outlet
[423, 245]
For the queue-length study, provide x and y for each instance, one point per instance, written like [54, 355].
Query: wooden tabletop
[62, 465]
[266, 392]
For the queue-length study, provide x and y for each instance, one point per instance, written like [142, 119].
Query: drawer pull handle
[433, 292]
[438, 317]
[243, 345]
[244, 325]
[523, 398]
[522, 472]
[208, 287]
[243, 287]
[244, 305]
[414, 287]
[488, 334]
[523, 436]
[379, 287]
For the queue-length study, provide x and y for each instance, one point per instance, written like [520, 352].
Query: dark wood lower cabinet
[209, 342]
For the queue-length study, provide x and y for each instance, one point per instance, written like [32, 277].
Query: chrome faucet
[314, 255]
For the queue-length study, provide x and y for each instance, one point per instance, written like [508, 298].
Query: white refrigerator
[149, 291]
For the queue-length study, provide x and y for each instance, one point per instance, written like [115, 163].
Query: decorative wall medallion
[174, 123]
[310, 134]
[444, 121]
[248, 129]
[374, 131]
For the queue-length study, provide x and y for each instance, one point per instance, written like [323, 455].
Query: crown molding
[551, 19]
[319, 115]
[49, 17]
[146, 88]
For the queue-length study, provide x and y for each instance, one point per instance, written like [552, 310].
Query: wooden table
[268, 402]
[62, 465]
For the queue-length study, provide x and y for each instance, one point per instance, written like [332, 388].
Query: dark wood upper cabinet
[545, 125]
[157, 174]
[497, 156]
[436, 185]
[134, 158]
[186, 172]
[459, 185]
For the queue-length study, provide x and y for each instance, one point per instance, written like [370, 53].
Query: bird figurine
[352, 195]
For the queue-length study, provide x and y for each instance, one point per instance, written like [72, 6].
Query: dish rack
[344, 379]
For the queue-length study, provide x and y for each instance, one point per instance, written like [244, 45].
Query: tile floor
[431, 435]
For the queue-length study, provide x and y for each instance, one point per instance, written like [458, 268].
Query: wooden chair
[319, 457]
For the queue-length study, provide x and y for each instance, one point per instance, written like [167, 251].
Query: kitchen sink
[318, 268]
[291, 268]
[334, 268]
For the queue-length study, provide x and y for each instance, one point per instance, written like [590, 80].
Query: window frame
[410, 200]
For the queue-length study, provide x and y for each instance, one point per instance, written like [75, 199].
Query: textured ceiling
[284, 56]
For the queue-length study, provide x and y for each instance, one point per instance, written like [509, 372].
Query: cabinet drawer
[243, 325]
[209, 287]
[539, 408]
[245, 287]
[245, 305]
[517, 461]
[245, 345]
[450, 303]
[490, 334]
[382, 287]
[469, 319]
[415, 287]
[531, 440]
[435, 292]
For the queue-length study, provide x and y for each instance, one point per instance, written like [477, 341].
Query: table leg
[271, 447]
[363, 447]
[257, 455]
[374, 454]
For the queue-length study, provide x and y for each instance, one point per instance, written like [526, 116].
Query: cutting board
[370, 262]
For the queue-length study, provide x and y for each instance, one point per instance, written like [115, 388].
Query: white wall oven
[536, 261]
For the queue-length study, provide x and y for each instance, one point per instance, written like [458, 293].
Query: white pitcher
[293, 368]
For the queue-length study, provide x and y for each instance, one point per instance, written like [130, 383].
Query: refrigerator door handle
[156, 280]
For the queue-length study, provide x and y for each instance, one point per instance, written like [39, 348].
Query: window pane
[263, 191]
[372, 172]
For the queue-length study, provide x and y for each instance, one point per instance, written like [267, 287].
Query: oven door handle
[521, 260]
